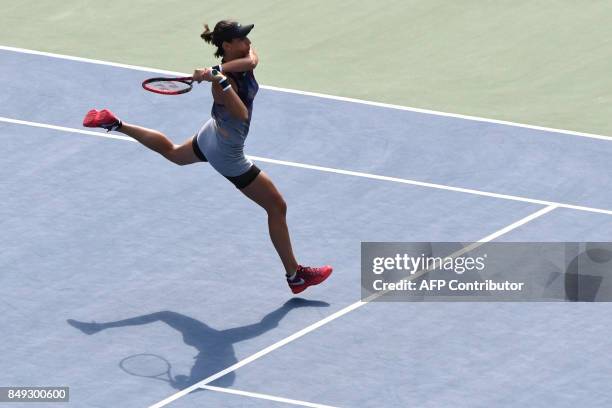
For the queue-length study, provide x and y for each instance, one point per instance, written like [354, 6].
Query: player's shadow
[216, 347]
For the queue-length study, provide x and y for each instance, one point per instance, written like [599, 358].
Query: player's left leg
[263, 192]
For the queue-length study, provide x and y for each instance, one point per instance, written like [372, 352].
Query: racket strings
[169, 86]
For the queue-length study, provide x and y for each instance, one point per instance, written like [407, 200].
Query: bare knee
[176, 156]
[277, 206]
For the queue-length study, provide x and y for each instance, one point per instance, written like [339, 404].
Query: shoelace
[308, 270]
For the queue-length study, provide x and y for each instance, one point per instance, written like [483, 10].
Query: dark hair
[211, 38]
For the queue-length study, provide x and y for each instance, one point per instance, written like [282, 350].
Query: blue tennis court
[111, 252]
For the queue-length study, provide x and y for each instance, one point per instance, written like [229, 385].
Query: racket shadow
[215, 347]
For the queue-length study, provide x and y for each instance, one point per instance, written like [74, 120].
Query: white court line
[510, 227]
[64, 129]
[340, 313]
[317, 95]
[434, 185]
[344, 172]
[265, 397]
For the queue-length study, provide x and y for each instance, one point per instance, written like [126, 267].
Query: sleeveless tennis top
[236, 130]
[221, 139]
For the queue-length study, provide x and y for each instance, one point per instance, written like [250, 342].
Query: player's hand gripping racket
[174, 86]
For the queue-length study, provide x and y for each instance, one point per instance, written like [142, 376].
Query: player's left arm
[248, 63]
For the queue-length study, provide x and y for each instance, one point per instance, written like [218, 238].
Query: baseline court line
[265, 397]
[64, 129]
[316, 95]
[342, 312]
[344, 172]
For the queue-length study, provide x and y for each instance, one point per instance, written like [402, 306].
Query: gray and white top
[222, 138]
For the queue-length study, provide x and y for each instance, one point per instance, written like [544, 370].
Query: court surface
[173, 261]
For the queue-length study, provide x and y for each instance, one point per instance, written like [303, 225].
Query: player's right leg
[179, 154]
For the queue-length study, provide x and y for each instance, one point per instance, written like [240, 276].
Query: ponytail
[209, 37]
[216, 40]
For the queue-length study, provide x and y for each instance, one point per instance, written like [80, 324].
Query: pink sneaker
[103, 119]
[306, 276]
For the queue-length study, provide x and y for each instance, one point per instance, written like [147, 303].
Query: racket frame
[186, 80]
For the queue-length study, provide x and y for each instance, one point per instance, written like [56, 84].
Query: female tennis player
[220, 141]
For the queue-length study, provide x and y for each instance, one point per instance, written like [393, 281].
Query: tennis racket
[147, 365]
[171, 86]
[168, 86]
